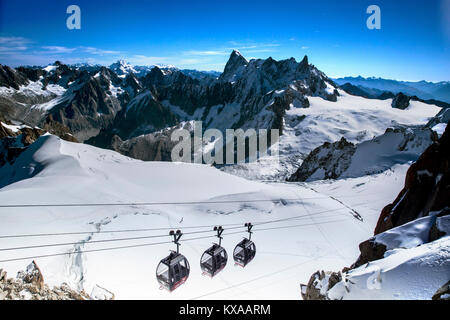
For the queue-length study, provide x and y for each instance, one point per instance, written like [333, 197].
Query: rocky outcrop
[331, 159]
[318, 285]
[343, 159]
[29, 285]
[401, 101]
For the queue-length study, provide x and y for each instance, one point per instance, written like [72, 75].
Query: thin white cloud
[13, 45]
[206, 53]
[13, 41]
[58, 49]
[98, 51]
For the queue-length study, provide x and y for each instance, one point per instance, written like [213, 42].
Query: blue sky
[413, 43]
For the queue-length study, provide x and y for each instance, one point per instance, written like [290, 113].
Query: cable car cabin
[244, 252]
[172, 271]
[213, 260]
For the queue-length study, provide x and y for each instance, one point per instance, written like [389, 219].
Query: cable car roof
[173, 258]
[215, 249]
[245, 243]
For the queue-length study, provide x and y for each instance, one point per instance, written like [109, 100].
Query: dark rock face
[11, 78]
[370, 251]
[401, 101]
[29, 285]
[155, 146]
[427, 187]
[90, 108]
[440, 226]
[234, 66]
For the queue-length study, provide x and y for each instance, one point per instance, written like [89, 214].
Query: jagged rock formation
[248, 94]
[29, 285]
[328, 161]
[343, 159]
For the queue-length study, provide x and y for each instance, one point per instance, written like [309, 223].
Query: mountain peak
[304, 65]
[121, 67]
[305, 60]
[236, 53]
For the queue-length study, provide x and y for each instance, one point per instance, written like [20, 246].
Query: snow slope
[410, 269]
[322, 234]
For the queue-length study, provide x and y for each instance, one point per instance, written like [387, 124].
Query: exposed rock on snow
[328, 161]
[32, 276]
[10, 78]
[426, 187]
[29, 285]
[401, 101]
[318, 285]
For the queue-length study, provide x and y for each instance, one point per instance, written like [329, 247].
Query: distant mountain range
[134, 109]
[422, 89]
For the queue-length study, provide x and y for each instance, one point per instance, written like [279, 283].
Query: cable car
[215, 258]
[173, 270]
[245, 250]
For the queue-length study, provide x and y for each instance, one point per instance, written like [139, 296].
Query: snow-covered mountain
[347, 152]
[109, 107]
